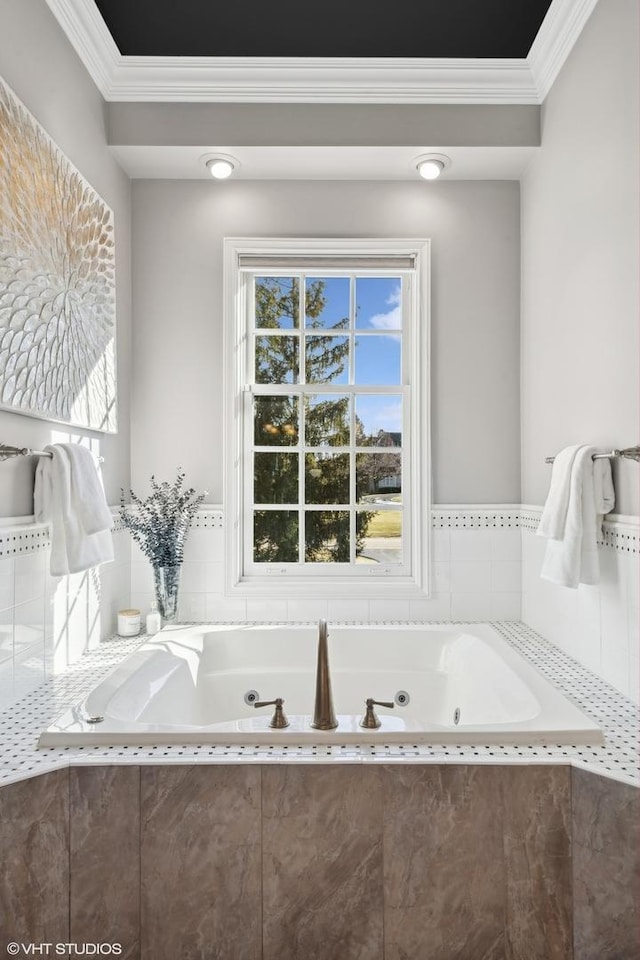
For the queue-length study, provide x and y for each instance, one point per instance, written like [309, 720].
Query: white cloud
[391, 319]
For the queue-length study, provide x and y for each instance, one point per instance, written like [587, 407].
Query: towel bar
[629, 453]
[7, 452]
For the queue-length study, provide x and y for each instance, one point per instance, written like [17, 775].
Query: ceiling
[431, 54]
[336, 51]
[333, 28]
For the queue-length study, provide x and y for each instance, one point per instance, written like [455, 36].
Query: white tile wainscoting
[475, 576]
[47, 623]
[597, 625]
[485, 566]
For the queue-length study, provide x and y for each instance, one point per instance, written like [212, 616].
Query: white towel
[69, 497]
[581, 492]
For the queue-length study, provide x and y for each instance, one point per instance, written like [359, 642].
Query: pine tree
[326, 419]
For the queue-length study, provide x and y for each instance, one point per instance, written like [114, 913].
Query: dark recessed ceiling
[324, 28]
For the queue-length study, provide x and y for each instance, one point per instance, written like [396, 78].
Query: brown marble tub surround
[536, 807]
[34, 860]
[104, 857]
[200, 862]
[444, 868]
[606, 868]
[477, 863]
[323, 861]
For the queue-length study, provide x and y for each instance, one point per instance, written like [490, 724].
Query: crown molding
[555, 40]
[321, 80]
[88, 34]
[326, 80]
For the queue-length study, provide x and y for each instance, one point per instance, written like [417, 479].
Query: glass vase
[167, 583]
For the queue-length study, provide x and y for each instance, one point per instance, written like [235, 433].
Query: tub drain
[94, 719]
[456, 715]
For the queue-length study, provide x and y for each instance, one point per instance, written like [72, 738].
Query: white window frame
[282, 580]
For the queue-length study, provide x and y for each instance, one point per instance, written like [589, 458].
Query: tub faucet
[324, 717]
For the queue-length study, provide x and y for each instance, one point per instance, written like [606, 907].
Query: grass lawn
[385, 523]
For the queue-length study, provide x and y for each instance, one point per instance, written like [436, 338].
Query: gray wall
[38, 62]
[580, 258]
[178, 231]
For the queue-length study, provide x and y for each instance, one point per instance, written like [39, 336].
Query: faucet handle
[278, 720]
[370, 720]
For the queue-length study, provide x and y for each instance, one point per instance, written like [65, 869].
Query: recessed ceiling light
[221, 167]
[430, 169]
[431, 165]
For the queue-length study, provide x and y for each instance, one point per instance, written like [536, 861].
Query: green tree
[372, 468]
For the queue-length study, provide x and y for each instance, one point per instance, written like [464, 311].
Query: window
[327, 478]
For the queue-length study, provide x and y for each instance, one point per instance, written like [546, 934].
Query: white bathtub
[187, 684]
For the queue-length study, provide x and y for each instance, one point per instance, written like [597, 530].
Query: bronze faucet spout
[324, 717]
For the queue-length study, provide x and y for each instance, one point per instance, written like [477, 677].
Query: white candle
[128, 623]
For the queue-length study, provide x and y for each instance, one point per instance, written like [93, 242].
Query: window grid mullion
[351, 379]
[352, 435]
[302, 427]
[352, 477]
[278, 389]
[302, 380]
[302, 342]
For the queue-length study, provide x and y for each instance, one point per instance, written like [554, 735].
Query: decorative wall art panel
[57, 281]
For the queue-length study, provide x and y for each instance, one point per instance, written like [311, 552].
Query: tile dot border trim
[621, 542]
[208, 518]
[622, 537]
[22, 540]
[469, 519]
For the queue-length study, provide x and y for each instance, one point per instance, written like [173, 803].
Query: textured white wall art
[57, 281]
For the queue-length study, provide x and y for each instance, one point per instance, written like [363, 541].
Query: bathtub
[195, 684]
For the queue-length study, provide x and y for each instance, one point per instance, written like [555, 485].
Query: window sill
[399, 588]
